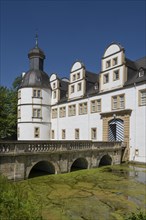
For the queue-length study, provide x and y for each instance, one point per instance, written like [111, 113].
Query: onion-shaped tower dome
[36, 77]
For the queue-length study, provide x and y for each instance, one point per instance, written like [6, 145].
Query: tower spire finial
[36, 40]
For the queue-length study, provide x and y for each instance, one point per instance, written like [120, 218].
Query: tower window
[36, 113]
[36, 93]
[36, 132]
[19, 94]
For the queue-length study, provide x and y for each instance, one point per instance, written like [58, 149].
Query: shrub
[16, 204]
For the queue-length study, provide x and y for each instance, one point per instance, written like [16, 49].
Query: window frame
[36, 133]
[142, 103]
[106, 78]
[94, 133]
[77, 133]
[115, 73]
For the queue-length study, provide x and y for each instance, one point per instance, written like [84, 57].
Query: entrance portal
[116, 130]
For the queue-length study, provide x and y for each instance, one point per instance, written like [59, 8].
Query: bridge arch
[41, 168]
[105, 160]
[79, 164]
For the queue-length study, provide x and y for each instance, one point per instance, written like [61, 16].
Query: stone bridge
[25, 159]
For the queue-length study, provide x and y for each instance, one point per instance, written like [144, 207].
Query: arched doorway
[42, 168]
[116, 130]
[79, 164]
[105, 160]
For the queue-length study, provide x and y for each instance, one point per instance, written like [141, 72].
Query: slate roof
[133, 71]
[35, 78]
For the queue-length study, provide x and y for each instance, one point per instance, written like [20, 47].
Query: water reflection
[138, 173]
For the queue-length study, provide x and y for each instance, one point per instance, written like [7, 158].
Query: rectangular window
[142, 97]
[36, 93]
[63, 134]
[118, 102]
[19, 113]
[53, 134]
[62, 112]
[95, 105]
[54, 95]
[78, 75]
[115, 102]
[36, 113]
[71, 110]
[19, 94]
[83, 108]
[115, 61]
[108, 64]
[72, 89]
[121, 101]
[77, 134]
[79, 87]
[105, 78]
[54, 85]
[36, 132]
[93, 133]
[74, 77]
[54, 113]
[116, 75]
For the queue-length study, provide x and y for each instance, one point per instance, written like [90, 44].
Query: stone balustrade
[19, 147]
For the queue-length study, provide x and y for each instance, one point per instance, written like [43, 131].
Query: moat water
[106, 193]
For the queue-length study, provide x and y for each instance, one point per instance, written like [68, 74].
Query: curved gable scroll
[113, 48]
[77, 65]
[53, 77]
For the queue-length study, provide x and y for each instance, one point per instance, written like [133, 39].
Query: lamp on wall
[114, 116]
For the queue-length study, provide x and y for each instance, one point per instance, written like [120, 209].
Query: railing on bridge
[20, 147]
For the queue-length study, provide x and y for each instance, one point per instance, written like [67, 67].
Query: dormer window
[108, 64]
[79, 86]
[72, 89]
[54, 94]
[115, 61]
[78, 75]
[53, 85]
[141, 72]
[106, 78]
[74, 77]
[116, 75]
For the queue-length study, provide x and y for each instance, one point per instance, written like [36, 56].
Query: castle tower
[34, 100]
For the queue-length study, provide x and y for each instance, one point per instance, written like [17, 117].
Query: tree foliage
[8, 110]
[16, 204]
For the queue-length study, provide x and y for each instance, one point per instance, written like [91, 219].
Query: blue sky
[68, 31]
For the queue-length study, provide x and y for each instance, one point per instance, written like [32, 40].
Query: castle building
[108, 106]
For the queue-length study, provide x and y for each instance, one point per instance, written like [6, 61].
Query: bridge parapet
[24, 147]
